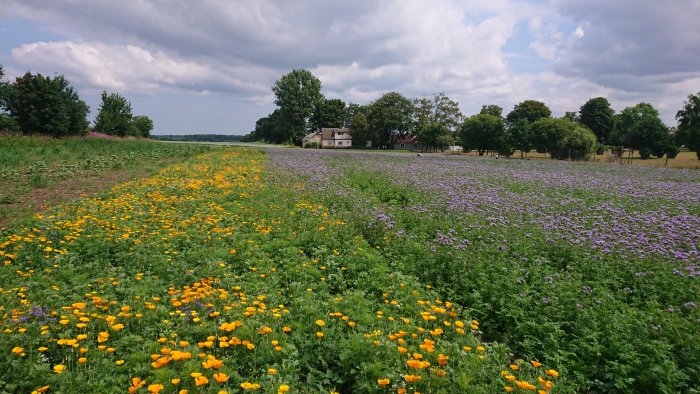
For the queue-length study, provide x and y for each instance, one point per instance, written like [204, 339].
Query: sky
[208, 66]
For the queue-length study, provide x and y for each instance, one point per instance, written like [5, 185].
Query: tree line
[38, 104]
[438, 122]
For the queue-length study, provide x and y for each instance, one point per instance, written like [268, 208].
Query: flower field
[322, 271]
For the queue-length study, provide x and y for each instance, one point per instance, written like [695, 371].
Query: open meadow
[288, 270]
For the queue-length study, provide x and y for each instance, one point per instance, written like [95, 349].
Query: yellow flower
[82, 360]
[552, 373]
[383, 382]
[18, 350]
[119, 362]
[59, 368]
[282, 389]
[319, 334]
[508, 389]
[175, 381]
[320, 323]
[535, 363]
[250, 386]
[43, 349]
[412, 378]
[271, 371]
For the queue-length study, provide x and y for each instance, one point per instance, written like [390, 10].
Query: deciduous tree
[47, 106]
[389, 116]
[599, 117]
[142, 125]
[297, 94]
[530, 110]
[640, 127]
[689, 123]
[482, 132]
[114, 115]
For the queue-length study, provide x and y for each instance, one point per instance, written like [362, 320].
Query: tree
[45, 105]
[142, 125]
[447, 113]
[353, 109]
[482, 132]
[360, 131]
[114, 116]
[640, 127]
[530, 110]
[6, 122]
[438, 109]
[491, 109]
[390, 116]
[597, 115]
[571, 116]
[689, 123]
[564, 139]
[297, 94]
[271, 128]
[329, 113]
[432, 135]
[521, 136]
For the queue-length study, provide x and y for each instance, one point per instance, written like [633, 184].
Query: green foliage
[598, 115]
[389, 116]
[640, 127]
[360, 131]
[564, 139]
[142, 126]
[114, 116]
[46, 105]
[491, 109]
[432, 135]
[531, 110]
[297, 95]
[482, 132]
[521, 136]
[329, 113]
[689, 123]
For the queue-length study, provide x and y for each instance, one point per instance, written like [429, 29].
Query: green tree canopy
[142, 125]
[689, 123]
[599, 117]
[491, 109]
[271, 128]
[329, 113]
[114, 115]
[521, 136]
[46, 105]
[437, 109]
[531, 110]
[390, 115]
[640, 127]
[482, 132]
[298, 95]
[360, 131]
[432, 135]
[564, 139]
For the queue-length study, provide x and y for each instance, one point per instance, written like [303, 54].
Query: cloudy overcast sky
[207, 66]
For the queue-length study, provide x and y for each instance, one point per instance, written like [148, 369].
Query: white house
[335, 138]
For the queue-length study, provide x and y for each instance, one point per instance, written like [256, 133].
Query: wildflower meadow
[307, 271]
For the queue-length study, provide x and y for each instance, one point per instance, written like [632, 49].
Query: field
[317, 271]
[38, 172]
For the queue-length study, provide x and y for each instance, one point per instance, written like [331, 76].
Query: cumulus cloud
[363, 49]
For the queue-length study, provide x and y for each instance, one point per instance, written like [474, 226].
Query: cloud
[572, 49]
[132, 68]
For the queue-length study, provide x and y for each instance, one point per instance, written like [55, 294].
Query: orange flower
[155, 388]
[535, 363]
[220, 377]
[383, 382]
[201, 380]
[412, 378]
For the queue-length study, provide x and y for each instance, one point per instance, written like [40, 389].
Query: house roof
[406, 139]
[310, 136]
[330, 133]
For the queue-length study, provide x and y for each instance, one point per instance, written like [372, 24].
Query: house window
[402, 145]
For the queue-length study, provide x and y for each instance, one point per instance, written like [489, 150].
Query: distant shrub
[645, 153]
[312, 145]
[672, 151]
